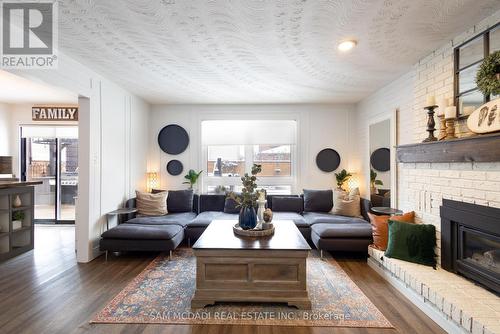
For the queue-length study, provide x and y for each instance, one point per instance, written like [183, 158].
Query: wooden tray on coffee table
[253, 232]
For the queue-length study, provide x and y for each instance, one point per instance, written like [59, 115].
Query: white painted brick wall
[423, 186]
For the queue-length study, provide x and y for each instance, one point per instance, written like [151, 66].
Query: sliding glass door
[50, 155]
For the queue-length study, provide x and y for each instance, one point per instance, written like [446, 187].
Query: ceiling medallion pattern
[254, 51]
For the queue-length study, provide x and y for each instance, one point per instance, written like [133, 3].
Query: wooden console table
[230, 268]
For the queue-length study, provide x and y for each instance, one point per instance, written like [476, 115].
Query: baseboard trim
[438, 317]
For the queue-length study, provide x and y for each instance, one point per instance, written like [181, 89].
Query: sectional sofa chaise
[190, 214]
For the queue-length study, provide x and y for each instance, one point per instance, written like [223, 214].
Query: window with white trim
[231, 147]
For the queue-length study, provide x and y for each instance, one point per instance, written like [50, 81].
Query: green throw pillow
[412, 242]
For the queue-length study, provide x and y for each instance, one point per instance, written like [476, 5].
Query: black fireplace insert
[470, 242]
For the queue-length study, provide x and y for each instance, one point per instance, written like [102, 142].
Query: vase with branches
[374, 182]
[342, 178]
[247, 200]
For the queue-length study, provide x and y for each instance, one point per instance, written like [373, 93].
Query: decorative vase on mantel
[247, 218]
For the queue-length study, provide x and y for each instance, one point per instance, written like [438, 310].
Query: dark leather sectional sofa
[190, 214]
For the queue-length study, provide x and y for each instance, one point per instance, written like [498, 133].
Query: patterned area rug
[162, 294]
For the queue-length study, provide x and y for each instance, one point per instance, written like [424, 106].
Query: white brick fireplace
[424, 185]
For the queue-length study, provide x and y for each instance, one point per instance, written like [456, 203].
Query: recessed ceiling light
[346, 45]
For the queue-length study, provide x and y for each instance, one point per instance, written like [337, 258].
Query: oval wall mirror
[328, 160]
[173, 139]
[381, 159]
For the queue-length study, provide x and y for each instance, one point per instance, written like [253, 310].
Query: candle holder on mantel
[450, 128]
[430, 124]
[442, 127]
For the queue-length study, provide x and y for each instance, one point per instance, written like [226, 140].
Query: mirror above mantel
[468, 57]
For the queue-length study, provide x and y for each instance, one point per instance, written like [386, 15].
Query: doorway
[50, 154]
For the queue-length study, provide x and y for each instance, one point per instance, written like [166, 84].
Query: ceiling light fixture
[345, 46]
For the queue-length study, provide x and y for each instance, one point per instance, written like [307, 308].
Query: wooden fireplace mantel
[483, 148]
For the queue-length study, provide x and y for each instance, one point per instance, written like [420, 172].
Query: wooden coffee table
[232, 268]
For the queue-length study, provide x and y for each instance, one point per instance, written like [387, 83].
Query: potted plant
[342, 178]
[192, 178]
[17, 219]
[247, 201]
[374, 182]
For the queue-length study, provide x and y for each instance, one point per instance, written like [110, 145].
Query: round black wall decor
[174, 167]
[328, 160]
[173, 139]
[381, 159]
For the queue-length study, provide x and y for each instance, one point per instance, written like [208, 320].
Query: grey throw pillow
[180, 201]
[230, 206]
[288, 204]
[318, 200]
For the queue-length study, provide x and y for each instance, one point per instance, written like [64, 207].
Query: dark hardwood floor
[46, 291]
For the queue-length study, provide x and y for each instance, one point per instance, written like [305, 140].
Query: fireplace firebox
[470, 242]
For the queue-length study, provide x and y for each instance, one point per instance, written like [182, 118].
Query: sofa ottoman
[142, 237]
[349, 237]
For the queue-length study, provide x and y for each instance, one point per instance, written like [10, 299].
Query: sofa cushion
[412, 242]
[181, 219]
[350, 230]
[313, 218]
[211, 202]
[180, 201]
[295, 217]
[143, 232]
[318, 200]
[230, 206]
[151, 204]
[270, 198]
[381, 228]
[288, 204]
[205, 218]
[346, 204]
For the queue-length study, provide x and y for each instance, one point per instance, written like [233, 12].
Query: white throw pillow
[346, 204]
[151, 204]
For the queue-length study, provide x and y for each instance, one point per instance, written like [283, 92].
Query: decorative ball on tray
[268, 215]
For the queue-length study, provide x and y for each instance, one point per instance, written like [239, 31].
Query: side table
[118, 212]
[384, 210]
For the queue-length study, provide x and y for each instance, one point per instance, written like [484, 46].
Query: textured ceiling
[259, 51]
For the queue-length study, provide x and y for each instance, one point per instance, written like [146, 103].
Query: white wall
[396, 96]
[319, 127]
[4, 129]
[112, 146]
